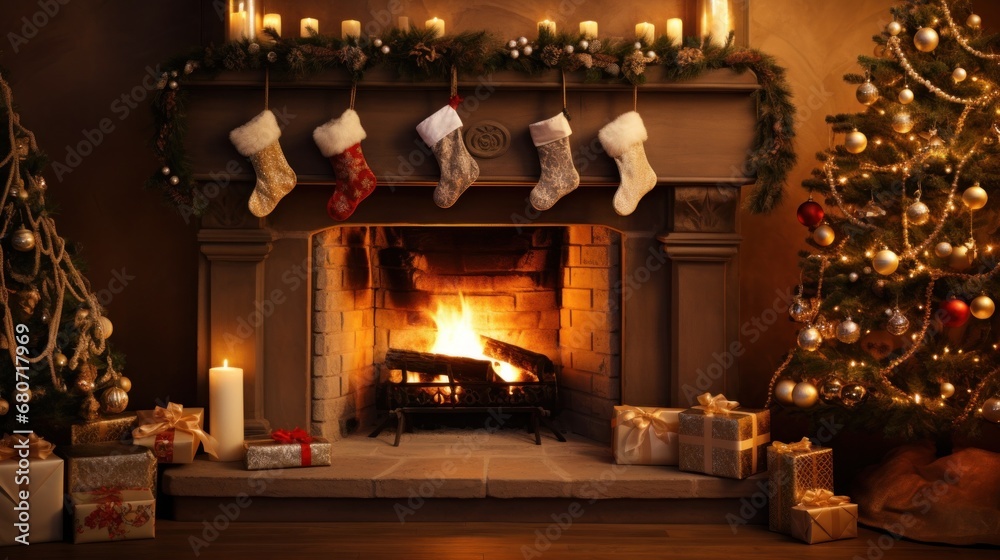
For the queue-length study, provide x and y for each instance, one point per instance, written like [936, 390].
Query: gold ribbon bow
[716, 404]
[822, 498]
[12, 445]
[172, 418]
[803, 445]
[639, 424]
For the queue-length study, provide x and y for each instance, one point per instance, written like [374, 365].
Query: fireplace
[636, 309]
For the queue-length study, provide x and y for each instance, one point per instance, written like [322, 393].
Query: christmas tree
[897, 288]
[60, 367]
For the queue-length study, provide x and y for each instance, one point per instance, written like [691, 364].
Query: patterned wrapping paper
[724, 441]
[108, 465]
[645, 436]
[113, 515]
[794, 469]
[45, 493]
[823, 517]
[117, 428]
[303, 451]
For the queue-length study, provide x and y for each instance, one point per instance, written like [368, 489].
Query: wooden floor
[487, 541]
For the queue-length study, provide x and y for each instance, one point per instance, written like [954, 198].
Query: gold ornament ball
[805, 394]
[947, 390]
[830, 389]
[926, 39]
[975, 197]
[885, 262]
[959, 75]
[867, 93]
[824, 236]
[799, 310]
[902, 122]
[918, 213]
[894, 28]
[974, 21]
[783, 391]
[810, 339]
[104, 327]
[125, 383]
[85, 386]
[23, 239]
[852, 395]
[60, 360]
[898, 324]
[114, 400]
[4, 406]
[82, 314]
[906, 96]
[848, 331]
[991, 409]
[982, 307]
[855, 142]
[960, 258]
[943, 249]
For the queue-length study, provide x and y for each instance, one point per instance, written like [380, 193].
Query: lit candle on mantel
[547, 24]
[225, 408]
[675, 31]
[716, 20]
[588, 29]
[238, 24]
[436, 25]
[350, 28]
[306, 24]
[273, 21]
[645, 31]
[404, 23]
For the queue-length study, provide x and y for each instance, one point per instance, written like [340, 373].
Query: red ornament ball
[810, 214]
[956, 313]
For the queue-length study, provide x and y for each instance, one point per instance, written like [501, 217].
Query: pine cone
[595, 45]
[425, 55]
[551, 55]
[688, 56]
[613, 69]
[585, 60]
[634, 64]
[234, 59]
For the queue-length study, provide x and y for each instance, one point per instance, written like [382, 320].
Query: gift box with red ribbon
[721, 439]
[645, 436]
[113, 514]
[173, 433]
[285, 449]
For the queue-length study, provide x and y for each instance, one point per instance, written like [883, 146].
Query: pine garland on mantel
[418, 55]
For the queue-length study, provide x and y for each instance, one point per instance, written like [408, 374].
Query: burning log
[462, 370]
[533, 363]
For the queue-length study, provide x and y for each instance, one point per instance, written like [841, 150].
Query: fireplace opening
[395, 299]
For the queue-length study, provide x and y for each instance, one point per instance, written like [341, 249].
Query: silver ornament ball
[947, 390]
[377, 42]
[867, 93]
[514, 54]
[385, 49]
[783, 391]
[853, 277]
[165, 170]
[991, 409]
[906, 96]
[898, 324]
[522, 41]
[926, 39]
[894, 28]
[527, 50]
[959, 75]
[172, 84]
[569, 49]
[512, 44]
[943, 249]
[902, 122]
[848, 331]
[800, 310]
[174, 180]
[805, 394]
[584, 44]
[810, 339]
[918, 213]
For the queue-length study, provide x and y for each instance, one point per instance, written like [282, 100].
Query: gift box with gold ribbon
[31, 491]
[645, 436]
[173, 433]
[113, 514]
[794, 469]
[822, 517]
[720, 439]
[108, 465]
[287, 448]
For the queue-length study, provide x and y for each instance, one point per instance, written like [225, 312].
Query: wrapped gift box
[720, 439]
[286, 449]
[113, 515]
[823, 517]
[108, 465]
[117, 428]
[645, 436]
[794, 469]
[37, 493]
[173, 433]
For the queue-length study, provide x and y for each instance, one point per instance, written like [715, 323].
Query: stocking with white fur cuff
[559, 177]
[442, 131]
[258, 140]
[340, 140]
[622, 139]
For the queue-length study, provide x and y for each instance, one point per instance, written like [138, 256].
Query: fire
[457, 337]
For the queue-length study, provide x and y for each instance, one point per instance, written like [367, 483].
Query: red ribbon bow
[300, 436]
[455, 101]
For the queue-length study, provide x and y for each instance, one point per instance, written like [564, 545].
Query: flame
[457, 337]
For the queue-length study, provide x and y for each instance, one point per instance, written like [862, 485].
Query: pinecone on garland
[354, 58]
[689, 55]
[577, 61]
[595, 45]
[551, 55]
[634, 64]
[234, 59]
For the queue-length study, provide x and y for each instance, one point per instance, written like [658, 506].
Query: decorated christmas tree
[58, 367]
[896, 296]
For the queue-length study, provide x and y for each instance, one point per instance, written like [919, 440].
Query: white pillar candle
[306, 24]
[645, 31]
[253, 18]
[238, 24]
[225, 407]
[588, 29]
[273, 21]
[547, 24]
[716, 20]
[675, 31]
[350, 28]
[436, 25]
[404, 23]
